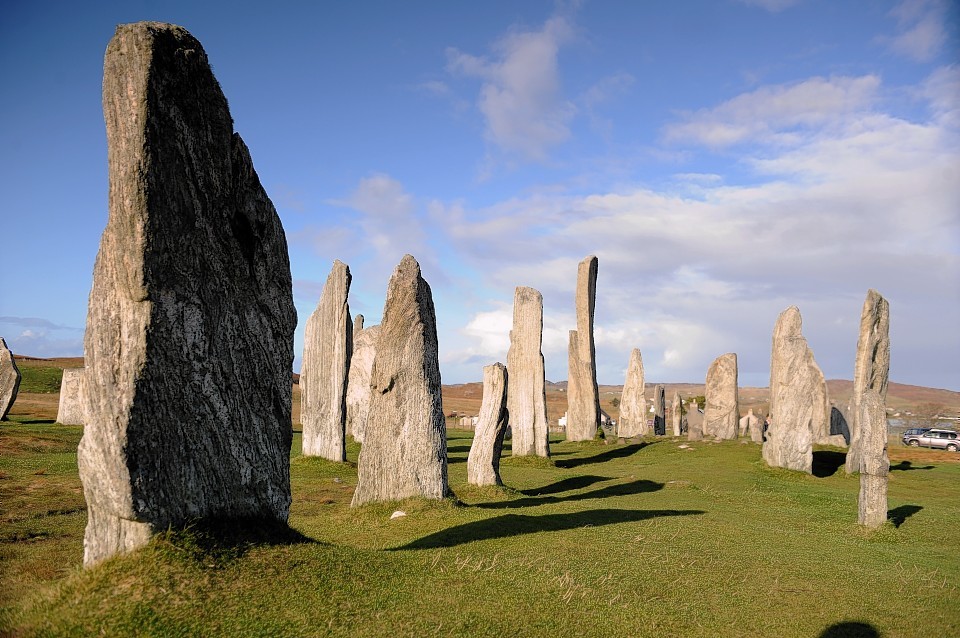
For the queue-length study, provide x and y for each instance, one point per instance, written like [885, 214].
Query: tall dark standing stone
[526, 398]
[659, 410]
[9, 380]
[404, 449]
[483, 462]
[189, 339]
[583, 396]
[722, 414]
[872, 368]
[327, 347]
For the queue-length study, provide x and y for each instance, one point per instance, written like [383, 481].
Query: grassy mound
[601, 540]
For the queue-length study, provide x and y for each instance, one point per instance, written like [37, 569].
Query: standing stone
[327, 347]
[9, 380]
[694, 422]
[757, 430]
[633, 406]
[404, 449]
[189, 337]
[676, 414]
[583, 396]
[526, 398]
[722, 413]
[749, 426]
[874, 464]
[70, 411]
[483, 462]
[798, 398]
[659, 411]
[357, 325]
[358, 379]
[872, 368]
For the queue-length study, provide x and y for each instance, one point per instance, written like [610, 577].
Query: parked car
[943, 439]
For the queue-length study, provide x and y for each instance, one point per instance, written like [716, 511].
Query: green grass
[40, 379]
[601, 540]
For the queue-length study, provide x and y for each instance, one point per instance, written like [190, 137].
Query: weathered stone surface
[755, 427]
[694, 422]
[358, 379]
[748, 421]
[722, 412]
[583, 397]
[404, 449]
[70, 411]
[526, 398]
[189, 338]
[799, 407]
[327, 348]
[9, 380]
[659, 411]
[872, 368]
[874, 463]
[676, 414]
[357, 325]
[633, 405]
[839, 427]
[483, 462]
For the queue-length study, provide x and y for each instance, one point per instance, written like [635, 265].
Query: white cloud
[921, 31]
[520, 98]
[774, 114]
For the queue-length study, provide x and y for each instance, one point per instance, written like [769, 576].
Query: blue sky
[723, 159]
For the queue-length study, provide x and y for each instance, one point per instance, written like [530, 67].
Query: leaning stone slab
[526, 398]
[189, 337]
[722, 413]
[583, 396]
[9, 380]
[483, 462]
[358, 380]
[70, 411]
[872, 367]
[404, 449]
[659, 411]
[633, 405]
[327, 348]
[874, 465]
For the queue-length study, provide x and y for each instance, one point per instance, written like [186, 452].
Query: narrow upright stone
[659, 410]
[633, 406]
[872, 368]
[357, 325]
[676, 414]
[70, 411]
[722, 413]
[798, 398]
[694, 422]
[874, 463]
[9, 380]
[483, 462]
[189, 338]
[327, 348]
[404, 449]
[749, 425]
[583, 396]
[358, 380]
[526, 398]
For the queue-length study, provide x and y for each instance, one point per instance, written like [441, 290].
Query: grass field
[638, 539]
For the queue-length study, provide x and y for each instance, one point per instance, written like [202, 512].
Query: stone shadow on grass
[224, 540]
[850, 630]
[507, 525]
[898, 515]
[904, 466]
[567, 484]
[615, 453]
[827, 462]
[618, 489]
